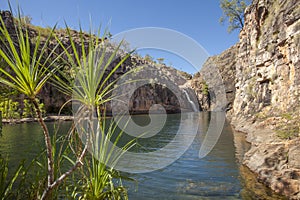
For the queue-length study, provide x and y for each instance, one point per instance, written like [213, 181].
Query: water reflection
[25, 141]
[212, 177]
[218, 175]
[252, 189]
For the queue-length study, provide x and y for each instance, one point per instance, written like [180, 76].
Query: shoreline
[50, 118]
[274, 161]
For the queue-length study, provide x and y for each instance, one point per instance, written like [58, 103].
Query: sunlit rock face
[261, 75]
[268, 66]
[267, 99]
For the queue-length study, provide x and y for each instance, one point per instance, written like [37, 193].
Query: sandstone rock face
[162, 88]
[268, 63]
[267, 93]
[205, 84]
[155, 90]
[277, 166]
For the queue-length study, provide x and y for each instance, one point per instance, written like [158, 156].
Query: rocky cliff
[267, 92]
[204, 84]
[261, 75]
[141, 100]
[268, 65]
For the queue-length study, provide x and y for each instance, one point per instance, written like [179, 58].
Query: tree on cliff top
[233, 10]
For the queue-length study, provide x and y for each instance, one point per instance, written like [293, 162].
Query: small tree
[148, 58]
[233, 10]
[26, 19]
[29, 68]
[160, 60]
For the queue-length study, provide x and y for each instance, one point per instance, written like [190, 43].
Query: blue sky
[198, 19]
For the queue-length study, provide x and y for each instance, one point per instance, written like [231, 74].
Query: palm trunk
[0, 123]
[59, 180]
[48, 144]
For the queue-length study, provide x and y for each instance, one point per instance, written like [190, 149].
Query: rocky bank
[261, 75]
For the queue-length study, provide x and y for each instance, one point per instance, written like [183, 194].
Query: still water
[215, 176]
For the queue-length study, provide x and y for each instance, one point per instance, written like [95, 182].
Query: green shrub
[205, 88]
[28, 110]
[261, 116]
[290, 128]
[287, 116]
[288, 132]
[9, 109]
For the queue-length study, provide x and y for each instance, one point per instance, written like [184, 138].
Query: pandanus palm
[94, 65]
[28, 67]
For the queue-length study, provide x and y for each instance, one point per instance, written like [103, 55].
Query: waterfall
[190, 101]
